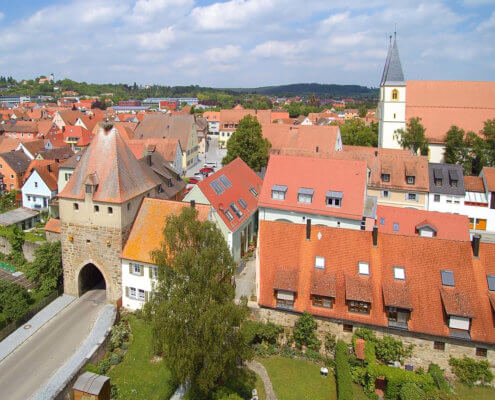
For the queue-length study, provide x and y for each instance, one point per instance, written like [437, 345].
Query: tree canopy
[195, 319]
[413, 137]
[248, 143]
[356, 133]
[46, 269]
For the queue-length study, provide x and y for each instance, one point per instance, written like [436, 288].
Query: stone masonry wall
[28, 248]
[100, 246]
[423, 352]
[52, 236]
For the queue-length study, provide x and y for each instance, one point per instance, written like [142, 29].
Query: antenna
[395, 31]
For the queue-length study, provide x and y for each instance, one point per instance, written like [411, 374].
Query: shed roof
[90, 383]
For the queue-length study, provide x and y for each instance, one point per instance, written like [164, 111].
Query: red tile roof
[47, 170]
[422, 259]
[242, 179]
[147, 230]
[286, 279]
[474, 184]
[489, 174]
[53, 225]
[448, 226]
[358, 288]
[396, 294]
[456, 303]
[359, 350]
[346, 176]
[120, 176]
[85, 136]
[441, 104]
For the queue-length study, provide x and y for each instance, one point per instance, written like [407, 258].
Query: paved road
[24, 371]
[214, 154]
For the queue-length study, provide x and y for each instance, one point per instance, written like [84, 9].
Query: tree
[478, 153]
[356, 133]
[456, 151]
[14, 300]
[363, 111]
[488, 132]
[305, 332]
[413, 137]
[46, 269]
[248, 143]
[195, 320]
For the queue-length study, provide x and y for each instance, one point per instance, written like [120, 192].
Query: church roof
[120, 176]
[392, 72]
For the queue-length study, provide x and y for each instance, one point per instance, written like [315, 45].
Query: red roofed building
[77, 137]
[329, 192]
[40, 186]
[435, 294]
[233, 194]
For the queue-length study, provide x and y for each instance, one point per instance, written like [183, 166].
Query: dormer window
[410, 179]
[334, 199]
[438, 181]
[278, 192]
[89, 188]
[395, 94]
[305, 195]
[453, 178]
[385, 177]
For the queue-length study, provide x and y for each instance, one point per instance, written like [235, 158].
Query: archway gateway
[90, 277]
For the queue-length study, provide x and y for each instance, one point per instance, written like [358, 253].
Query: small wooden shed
[90, 386]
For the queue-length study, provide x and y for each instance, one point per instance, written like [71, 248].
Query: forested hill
[319, 90]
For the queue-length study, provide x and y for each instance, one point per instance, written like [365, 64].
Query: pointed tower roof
[392, 72]
[110, 167]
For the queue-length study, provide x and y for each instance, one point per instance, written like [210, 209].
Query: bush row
[345, 390]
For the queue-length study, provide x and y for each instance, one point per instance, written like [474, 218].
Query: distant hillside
[306, 89]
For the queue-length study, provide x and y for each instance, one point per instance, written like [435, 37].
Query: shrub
[258, 332]
[305, 332]
[330, 343]
[470, 371]
[364, 333]
[369, 353]
[396, 378]
[437, 374]
[103, 366]
[114, 392]
[411, 391]
[115, 358]
[15, 300]
[345, 390]
[91, 368]
[120, 334]
[390, 349]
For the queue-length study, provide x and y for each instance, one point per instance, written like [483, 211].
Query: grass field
[475, 393]
[295, 379]
[137, 378]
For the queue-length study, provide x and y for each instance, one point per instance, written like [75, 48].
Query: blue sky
[244, 43]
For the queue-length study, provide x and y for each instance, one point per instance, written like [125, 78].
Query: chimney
[308, 229]
[375, 236]
[317, 148]
[476, 245]
[376, 153]
[49, 168]
[148, 159]
[193, 203]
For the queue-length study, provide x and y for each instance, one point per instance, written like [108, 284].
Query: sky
[245, 43]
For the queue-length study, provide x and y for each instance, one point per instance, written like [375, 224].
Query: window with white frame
[399, 273]
[412, 196]
[410, 179]
[136, 269]
[320, 262]
[385, 194]
[154, 272]
[132, 293]
[141, 295]
[305, 195]
[278, 192]
[436, 198]
[334, 199]
[363, 268]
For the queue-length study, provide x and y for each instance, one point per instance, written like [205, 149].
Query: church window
[395, 94]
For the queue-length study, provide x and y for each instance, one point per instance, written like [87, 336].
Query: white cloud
[156, 40]
[160, 11]
[225, 54]
[275, 48]
[487, 24]
[335, 19]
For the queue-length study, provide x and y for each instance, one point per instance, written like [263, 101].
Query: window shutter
[150, 270]
[141, 270]
[130, 268]
[126, 291]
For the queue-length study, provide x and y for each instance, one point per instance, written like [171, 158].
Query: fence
[30, 314]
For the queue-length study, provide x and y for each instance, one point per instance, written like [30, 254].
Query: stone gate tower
[97, 208]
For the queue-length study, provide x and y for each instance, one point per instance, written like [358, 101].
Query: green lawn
[295, 379]
[137, 378]
[475, 393]
[260, 388]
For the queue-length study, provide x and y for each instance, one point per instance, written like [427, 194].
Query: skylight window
[242, 203]
[396, 227]
[399, 273]
[363, 268]
[216, 187]
[382, 221]
[229, 215]
[253, 192]
[320, 262]
[236, 210]
[447, 277]
[225, 181]
[491, 282]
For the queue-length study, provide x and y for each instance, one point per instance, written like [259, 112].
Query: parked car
[199, 176]
[210, 164]
[193, 180]
[206, 170]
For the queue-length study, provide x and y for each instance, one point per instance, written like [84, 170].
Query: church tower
[392, 104]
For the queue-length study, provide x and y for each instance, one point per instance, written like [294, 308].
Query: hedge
[470, 371]
[396, 378]
[369, 353]
[345, 390]
[437, 374]
[411, 391]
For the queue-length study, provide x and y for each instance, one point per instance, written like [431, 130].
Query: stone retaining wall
[28, 248]
[423, 352]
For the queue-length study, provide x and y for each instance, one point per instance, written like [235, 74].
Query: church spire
[392, 72]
